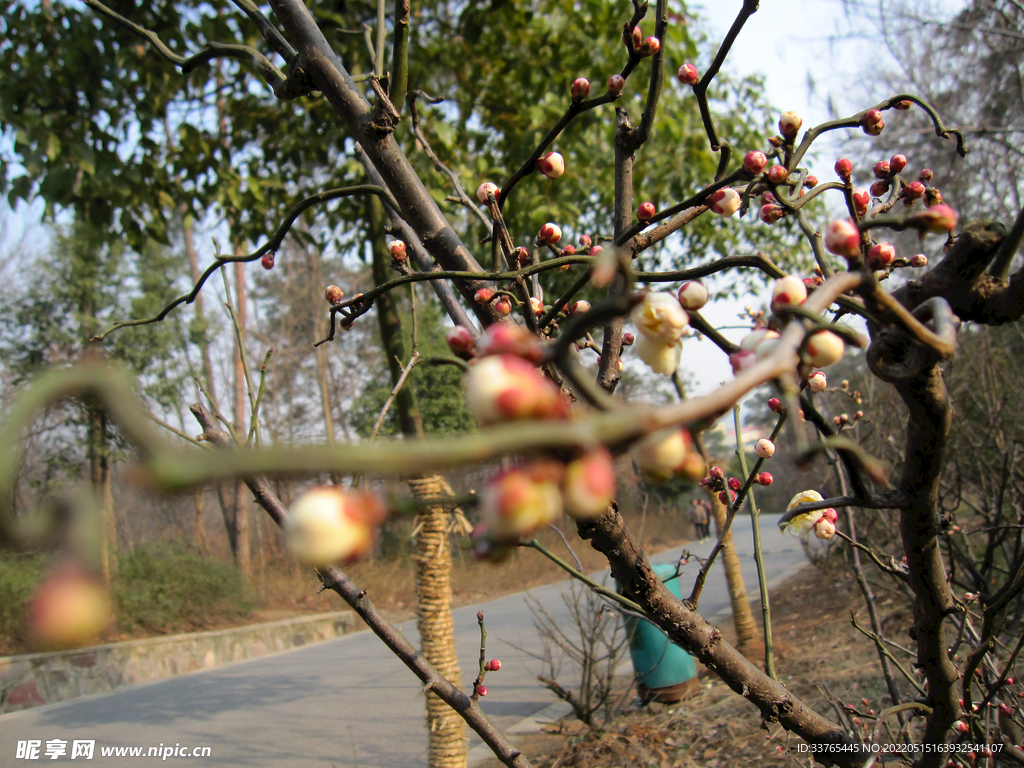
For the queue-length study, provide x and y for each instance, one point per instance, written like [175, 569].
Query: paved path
[345, 702]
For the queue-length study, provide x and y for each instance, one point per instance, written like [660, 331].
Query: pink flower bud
[777, 174]
[333, 294]
[267, 260]
[693, 295]
[551, 165]
[775, 405]
[537, 306]
[628, 339]
[734, 484]
[585, 241]
[881, 256]
[764, 448]
[397, 250]
[549, 234]
[914, 191]
[830, 514]
[789, 125]
[823, 348]
[483, 295]
[824, 530]
[874, 129]
[925, 176]
[904, 105]
[503, 388]
[881, 169]
[688, 75]
[481, 690]
[897, 163]
[879, 188]
[938, 219]
[509, 339]
[578, 307]
[843, 238]
[817, 382]
[861, 199]
[726, 497]
[764, 478]
[589, 484]
[329, 524]
[814, 280]
[69, 608]
[519, 501]
[811, 182]
[460, 341]
[770, 214]
[615, 84]
[485, 189]
[753, 340]
[595, 250]
[844, 170]
[961, 727]
[871, 117]
[919, 260]
[580, 89]
[767, 198]
[788, 290]
[569, 250]
[725, 202]
[662, 454]
[717, 473]
[646, 211]
[493, 665]
[637, 37]
[755, 162]
[650, 46]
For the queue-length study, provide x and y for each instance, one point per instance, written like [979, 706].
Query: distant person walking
[699, 518]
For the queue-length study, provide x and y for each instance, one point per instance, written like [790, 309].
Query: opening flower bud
[646, 211]
[801, 525]
[688, 75]
[755, 162]
[588, 486]
[508, 388]
[579, 307]
[660, 317]
[824, 348]
[788, 290]
[824, 530]
[693, 295]
[615, 84]
[551, 165]
[661, 454]
[549, 234]
[764, 448]
[662, 357]
[770, 214]
[484, 190]
[580, 89]
[817, 382]
[329, 524]
[333, 294]
[881, 255]
[537, 306]
[483, 295]
[725, 202]
[861, 200]
[396, 248]
[789, 125]
[843, 238]
[460, 341]
[650, 46]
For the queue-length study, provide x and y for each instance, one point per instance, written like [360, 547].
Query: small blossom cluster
[821, 521]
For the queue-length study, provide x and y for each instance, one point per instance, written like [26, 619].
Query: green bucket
[658, 663]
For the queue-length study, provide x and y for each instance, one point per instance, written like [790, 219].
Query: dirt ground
[715, 727]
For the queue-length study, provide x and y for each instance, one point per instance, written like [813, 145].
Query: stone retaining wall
[44, 678]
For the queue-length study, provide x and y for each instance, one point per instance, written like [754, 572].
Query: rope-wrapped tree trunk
[448, 743]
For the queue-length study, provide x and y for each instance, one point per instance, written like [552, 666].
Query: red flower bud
[549, 234]
[615, 84]
[483, 295]
[919, 260]
[871, 117]
[508, 339]
[493, 665]
[879, 188]
[569, 250]
[914, 191]
[460, 341]
[717, 473]
[754, 162]
[777, 174]
[267, 261]
[503, 306]
[861, 199]
[881, 169]
[844, 169]
[397, 250]
[646, 211]
[734, 484]
[650, 46]
[875, 129]
[588, 486]
[897, 163]
[764, 478]
[811, 182]
[585, 241]
[938, 219]
[843, 238]
[926, 175]
[688, 75]
[725, 497]
[775, 405]
[881, 256]
[770, 214]
[481, 690]
[333, 294]
[767, 198]
[580, 89]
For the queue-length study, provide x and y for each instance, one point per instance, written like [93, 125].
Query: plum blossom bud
[811, 182]
[579, 307]
[830, 514]
[460, 341]
[660, 317]
[717, 473]
[615, 84]
[480, 690]
[519, 501]
[742, 361]
[753, 340]
[483, 295]
[919, 260]
[764, 478]
[725, 202]
[879, 188]
[789, 125]
[926, 175]
[580, 89]
[897, 163]
[801, 525]
[69, 608]
[661, 454]
[549, 234]
[551, 165]
[875, 129]
[396, 248]
[726, 497]
[267, 260]
[777, 174]
[650, 46]
[493, 665]
[508, 388]
[843, 238]
[660, 356]
[569, 250]
[636, 37]
[776, 141]
[485, 189]
[817, 381]
[770, 213]
[628, 339]
[693, 467]
[646, 211]
[961, 727]
[775, 405]
[904, 105]
[537, 306]
[824, 530]
[333, 294]
[881, 255]
[693, 295]
[764, 448]
[509, 339]
[788, 290]
[938, 219]
[688, 75]
[823, 348]
[767, 198]
[585, 241]
[844, 170]
[755, 162]
[589, 484]
[913, 191]
[871, 117]
[881, 169]
[734, 484]
[329, 524]
[861, 199]
[932, 197]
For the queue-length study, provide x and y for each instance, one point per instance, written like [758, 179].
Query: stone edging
[34, 679]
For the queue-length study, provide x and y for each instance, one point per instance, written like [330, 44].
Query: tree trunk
[448, 746]
[242, 498]
[747, 641]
